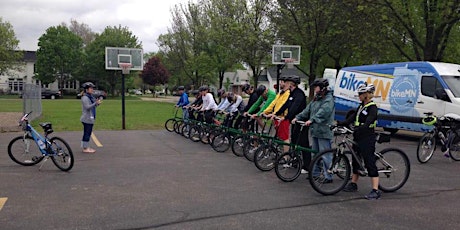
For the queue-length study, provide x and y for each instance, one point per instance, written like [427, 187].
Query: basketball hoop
[289, 62]
[125, 67]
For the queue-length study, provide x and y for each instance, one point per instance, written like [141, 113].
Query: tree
[8, 46]
[419, 30]
[82, 30]
[154, 72]
[59, 55]
[95, 51]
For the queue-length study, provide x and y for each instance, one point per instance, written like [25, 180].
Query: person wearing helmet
[236, 107]
[266, 96]
[209, 104]
[88, 115]
[224, 103]
[318, 116]
[274, 110]
[183, 102]
[241, 121]
[295, 104]
[364, 120]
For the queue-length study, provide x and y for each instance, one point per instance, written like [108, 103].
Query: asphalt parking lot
[159, 180]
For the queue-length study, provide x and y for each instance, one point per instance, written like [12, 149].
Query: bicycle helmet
[321, 82]
[246, 87]
[203, 88]
[260, 90]
[365, 88]
[293, 78]
[87, 85]
[181, 87]
[282, 78]
[429, 120]
[220, 92]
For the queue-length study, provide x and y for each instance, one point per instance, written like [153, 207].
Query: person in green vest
[266, 96]
[365, 120]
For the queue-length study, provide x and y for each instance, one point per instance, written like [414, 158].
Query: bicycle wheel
[329, 172]
[237, 146]
[394, 169]
[194, 133]
[221, 142]
[24, 151]
[204, 135]
[186, 130]
[265, 157]
[288, 166]
[178, 126]
[454, 149]
[169, 124]
[250, 148]
[426, 147]
[61, 154]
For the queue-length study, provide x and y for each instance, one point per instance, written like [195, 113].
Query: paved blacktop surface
[159, 180]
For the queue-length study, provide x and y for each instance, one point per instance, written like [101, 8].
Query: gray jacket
[87, 115]
[321, 112]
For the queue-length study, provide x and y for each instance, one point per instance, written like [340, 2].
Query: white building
[13, 81]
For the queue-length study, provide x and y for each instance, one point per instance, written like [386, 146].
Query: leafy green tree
[8, 46]
[419, 30]
[95, 59]
[59, 55]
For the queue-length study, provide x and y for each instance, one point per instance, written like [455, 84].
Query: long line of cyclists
[261, 129]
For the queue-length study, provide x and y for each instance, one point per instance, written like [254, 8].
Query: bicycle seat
[47, 127]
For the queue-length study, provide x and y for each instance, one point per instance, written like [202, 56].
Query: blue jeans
[185, 114]
[87, 130]
[321, 144]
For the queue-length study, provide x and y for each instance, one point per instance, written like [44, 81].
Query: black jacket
[252, 99]
[295, 104]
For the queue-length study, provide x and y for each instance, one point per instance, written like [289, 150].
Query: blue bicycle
[22, 150]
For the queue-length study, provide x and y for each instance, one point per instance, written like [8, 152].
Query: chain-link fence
[32, 100]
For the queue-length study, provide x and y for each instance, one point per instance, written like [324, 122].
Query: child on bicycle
[365, 120]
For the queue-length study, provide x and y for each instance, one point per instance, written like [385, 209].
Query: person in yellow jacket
[273, 110]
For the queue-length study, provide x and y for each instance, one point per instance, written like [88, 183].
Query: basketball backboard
[116, 55]
[282, 52]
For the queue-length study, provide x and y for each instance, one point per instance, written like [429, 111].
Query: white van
[404, 92]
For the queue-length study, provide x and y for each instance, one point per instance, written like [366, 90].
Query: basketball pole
[123, 101]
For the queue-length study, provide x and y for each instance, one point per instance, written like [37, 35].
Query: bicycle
[392, 163]
[22, 151]
[170, 124]
[446, 129]
[288, 166]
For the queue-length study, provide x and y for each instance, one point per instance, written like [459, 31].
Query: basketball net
[289, 62]
[125, 67]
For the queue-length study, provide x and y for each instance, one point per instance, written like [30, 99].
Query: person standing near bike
[88, 115]
[319, 115]
[183, 101]
[364, 120]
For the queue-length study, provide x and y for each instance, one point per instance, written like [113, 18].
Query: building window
[15, 85]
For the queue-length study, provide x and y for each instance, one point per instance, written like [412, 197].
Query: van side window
[429, 85]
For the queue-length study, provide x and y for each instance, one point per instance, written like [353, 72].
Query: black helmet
[246, 87]
[260, 90]
[181, 87]
[293, 78]
[282, 78]
[87, 85]
[321, 82]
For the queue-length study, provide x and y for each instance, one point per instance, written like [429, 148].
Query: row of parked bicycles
[329, 171]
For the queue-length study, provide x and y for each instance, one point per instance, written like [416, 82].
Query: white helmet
[365, 88]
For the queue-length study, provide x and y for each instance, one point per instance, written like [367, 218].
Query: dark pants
[87, 130]
[366, 149]
[301, 138]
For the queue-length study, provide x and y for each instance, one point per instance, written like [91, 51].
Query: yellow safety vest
[357, 123]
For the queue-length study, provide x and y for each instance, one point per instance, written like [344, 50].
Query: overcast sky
[146, 19]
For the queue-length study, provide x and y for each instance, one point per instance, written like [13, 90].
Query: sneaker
[351, 187]
[373, 195]
[303, 171]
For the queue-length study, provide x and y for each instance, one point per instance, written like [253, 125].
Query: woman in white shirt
[209, 104]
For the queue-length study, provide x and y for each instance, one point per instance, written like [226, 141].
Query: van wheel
[391, 130]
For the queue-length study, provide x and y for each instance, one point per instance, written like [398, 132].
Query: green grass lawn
[65, 114]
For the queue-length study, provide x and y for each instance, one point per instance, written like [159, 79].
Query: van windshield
[454, 84]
